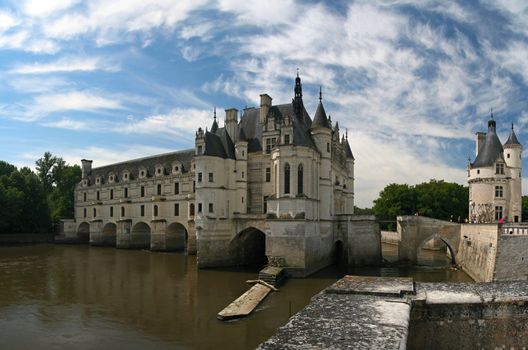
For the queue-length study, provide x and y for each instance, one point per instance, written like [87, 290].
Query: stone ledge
[367, 285]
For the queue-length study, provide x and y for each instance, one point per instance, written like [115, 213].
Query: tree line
[435, 199]
[34, 202]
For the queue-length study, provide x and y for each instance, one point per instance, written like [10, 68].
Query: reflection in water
[55, 296]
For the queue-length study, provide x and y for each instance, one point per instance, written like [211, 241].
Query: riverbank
[25, 238]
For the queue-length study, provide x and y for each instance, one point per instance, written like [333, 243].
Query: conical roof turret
[512, 139]
[491, 150]
[320, 118]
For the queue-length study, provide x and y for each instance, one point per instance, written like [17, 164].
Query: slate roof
[491, 150]
[348, 150]
[166, 159]
[512, 139]
[250, 126]
[219, 144]
[320, 118]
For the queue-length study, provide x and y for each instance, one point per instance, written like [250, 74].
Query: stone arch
[140, 235]
[109, 234]
[249, 247]
[176, 236]
[445, 240]
[83, 232]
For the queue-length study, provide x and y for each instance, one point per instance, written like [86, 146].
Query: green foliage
[363, 211]
[30, 202]
[435, 199]
[525, 208]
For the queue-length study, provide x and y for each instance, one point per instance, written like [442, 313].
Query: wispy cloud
[67, 64]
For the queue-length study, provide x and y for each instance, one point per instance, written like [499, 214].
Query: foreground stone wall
[512, 258]
[359, 312]
[477, 250]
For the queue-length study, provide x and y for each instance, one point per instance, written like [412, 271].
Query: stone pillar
[158, 236]
[191, 238]
[96, 232]
[408, 230]
[123, 236]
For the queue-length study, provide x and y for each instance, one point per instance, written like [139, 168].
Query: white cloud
[7, 21]
[74, 101]
[39, 8]
[67, 64]
[69, 124]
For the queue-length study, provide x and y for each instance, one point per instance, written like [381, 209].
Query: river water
[80, 297]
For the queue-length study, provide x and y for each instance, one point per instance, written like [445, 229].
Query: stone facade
[495, 178]
[272, 185]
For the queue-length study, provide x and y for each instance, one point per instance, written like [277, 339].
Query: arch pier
[172, 237]
[133, 235]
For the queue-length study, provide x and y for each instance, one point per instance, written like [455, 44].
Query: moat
[66, 296]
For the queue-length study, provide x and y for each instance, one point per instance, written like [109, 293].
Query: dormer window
[200, 150]
[142, 173]
[111, 178]
[126, 175]
[176, 168]
[98, 180]
[499, 168]
[85, 182]
[159, 170]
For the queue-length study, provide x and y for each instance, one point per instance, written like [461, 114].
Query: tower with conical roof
[494, 178]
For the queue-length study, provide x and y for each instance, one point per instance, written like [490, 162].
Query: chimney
[481, 136]
[265, 104]
[86, 167]
[231, 123]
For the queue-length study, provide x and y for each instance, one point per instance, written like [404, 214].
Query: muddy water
[77, 297]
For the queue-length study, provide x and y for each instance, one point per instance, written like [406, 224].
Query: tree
[435, 199]
[525, 208]
[45, 170]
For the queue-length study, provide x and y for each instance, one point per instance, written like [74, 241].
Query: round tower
[513, 159]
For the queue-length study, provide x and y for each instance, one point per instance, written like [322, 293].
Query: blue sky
[411, 80]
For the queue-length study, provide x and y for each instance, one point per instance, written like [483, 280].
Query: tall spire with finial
[214, 127]
[298, 105]
[320, 93]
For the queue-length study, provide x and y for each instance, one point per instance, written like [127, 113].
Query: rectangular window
[111, 194]
[142, 191]
[84, 212]
[98, 195]
[270, 143]
[508, 155]
[328, 147]
[287, 139]
[210, 177]
[199, 207]
[211, 207]
[159, 189]
[194, 186]
[125, 192]
[199, 177]
[111, 212]
[265, 204]
[176, 209]
[84, 197]
[268, 174]
[499, 191]
[499, 168]
[199, 150]
[142, 210]
[177, 188]
[243, 174]
[122, 211]
[498, 213]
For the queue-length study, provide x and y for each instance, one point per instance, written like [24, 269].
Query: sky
[411, 80]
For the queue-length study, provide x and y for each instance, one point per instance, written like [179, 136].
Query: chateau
[274, 186]
[495, 178]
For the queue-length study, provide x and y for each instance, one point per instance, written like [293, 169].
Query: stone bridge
[416, 230]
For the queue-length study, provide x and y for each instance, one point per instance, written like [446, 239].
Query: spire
[491, 122]
[491, 149]
[320, 119]
[214, 127]
[298, 105]
[512, 139]
[320, 93]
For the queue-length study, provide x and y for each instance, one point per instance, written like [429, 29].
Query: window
[478, 171]
[328, 146]
[199, 177]
[243, 174]
[287, 178]
[122, 211]
[125, 194]
[242, 199]
[499, 168]
[98, 195]
[300, 179]
[191, 209]
[159, 189]
[155, 210]
[268, 174]
[177, 188]
[194, 186]
[265, 204]
[84, 212]
[287, 139]
[84, 197]
[199, 150]
[211, 208]
[142, 210]
[111, 212]
[507, 155]
[94, 212]
[499, 192]
[243, 153]
[498, 212]
[176, 209]
[159, 171]
[111, 194]
[270, 143]
[142, 173]
[142, 191]
[210, 177]
[199, 207]
[126, 176]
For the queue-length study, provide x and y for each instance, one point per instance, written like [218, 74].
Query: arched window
[287, 178]
[155, 210]
[300, 179]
